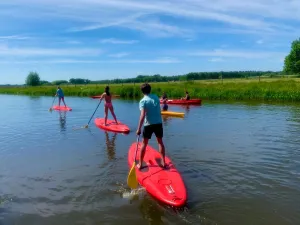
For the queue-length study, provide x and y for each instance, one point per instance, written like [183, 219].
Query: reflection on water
[110, 145]
[186, 108]
[62, 120]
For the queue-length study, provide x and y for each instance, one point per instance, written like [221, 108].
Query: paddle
[131, 179]
[52, 103]
[86, 126]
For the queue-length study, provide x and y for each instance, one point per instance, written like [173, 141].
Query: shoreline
[269, 90]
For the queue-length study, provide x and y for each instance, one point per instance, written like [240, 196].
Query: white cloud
[73, 42]
[237, 54]
[119, 55]
[13, 37]
[216, 60]
[259, 42]
[71, 61]
[260, 16]
[117, 41]
[8, 51]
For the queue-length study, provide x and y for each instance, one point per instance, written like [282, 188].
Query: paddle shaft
[137, 144]
[94, 112]
[53, 101]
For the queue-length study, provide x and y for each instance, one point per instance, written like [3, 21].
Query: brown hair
[107, 90]
[146, 88]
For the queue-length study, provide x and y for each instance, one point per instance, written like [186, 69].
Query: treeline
[190, 76]
[33, 78]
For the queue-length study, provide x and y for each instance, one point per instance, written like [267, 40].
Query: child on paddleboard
[60, 95]
[151, 117]
[108, 104]
[164, 99]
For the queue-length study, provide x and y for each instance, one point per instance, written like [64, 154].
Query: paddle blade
[132, 179]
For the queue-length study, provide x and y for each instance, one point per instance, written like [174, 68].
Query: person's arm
[142, 118]
[102, 96]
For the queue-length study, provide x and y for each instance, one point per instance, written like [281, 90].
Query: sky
[107, 39]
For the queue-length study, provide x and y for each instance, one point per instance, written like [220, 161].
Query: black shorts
[157, 129]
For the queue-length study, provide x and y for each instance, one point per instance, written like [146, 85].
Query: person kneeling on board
[60, 95]
[108, 104]
[151, 117]
[164, 98]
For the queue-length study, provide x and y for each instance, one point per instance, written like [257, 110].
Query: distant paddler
[164, 99]
[187, 96]
[61, 96]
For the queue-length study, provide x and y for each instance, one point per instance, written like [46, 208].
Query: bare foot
[138, 166]
[163, 163]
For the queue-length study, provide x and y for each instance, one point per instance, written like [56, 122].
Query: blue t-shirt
[60, 93]
[150, 103]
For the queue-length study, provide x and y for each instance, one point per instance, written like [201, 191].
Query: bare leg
[142, 152]
[113, 113]
[64, 102]
[58, 101]
[161, 148]
[105, 111]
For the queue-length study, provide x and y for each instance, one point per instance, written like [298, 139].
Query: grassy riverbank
[266, 89]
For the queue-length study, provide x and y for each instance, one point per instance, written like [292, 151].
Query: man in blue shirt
[60, 95]
[151, 116]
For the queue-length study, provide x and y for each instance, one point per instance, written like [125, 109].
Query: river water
[240, 163]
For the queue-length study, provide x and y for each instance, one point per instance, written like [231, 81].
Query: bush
[33, 79]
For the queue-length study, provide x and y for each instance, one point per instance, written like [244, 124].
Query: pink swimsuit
[108, 104]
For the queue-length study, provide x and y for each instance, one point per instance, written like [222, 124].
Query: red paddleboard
[166, 184]
[112, 126]
[96, 96]
[62, 108]
[99, 96]
[183, 102]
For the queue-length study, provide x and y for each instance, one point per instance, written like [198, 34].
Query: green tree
[44, 82]
[59, 82]
[33, 79]
[292, 60]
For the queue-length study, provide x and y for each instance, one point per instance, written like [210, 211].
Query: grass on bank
[275, 89]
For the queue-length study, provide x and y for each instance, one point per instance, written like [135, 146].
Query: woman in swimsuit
[108, 104]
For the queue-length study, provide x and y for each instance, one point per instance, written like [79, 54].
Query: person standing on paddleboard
[164, 99]
[108, 104]
[60, 95]
[151, 117]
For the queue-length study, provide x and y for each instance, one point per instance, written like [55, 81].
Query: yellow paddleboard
[170, 113]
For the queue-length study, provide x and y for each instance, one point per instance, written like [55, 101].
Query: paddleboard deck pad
[112, 126]
[62, 108]
[165, 184]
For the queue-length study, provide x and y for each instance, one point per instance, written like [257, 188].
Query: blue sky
[103, 39]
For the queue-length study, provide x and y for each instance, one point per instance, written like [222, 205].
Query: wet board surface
[112, 126]
[61, 108]
[165, 184]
